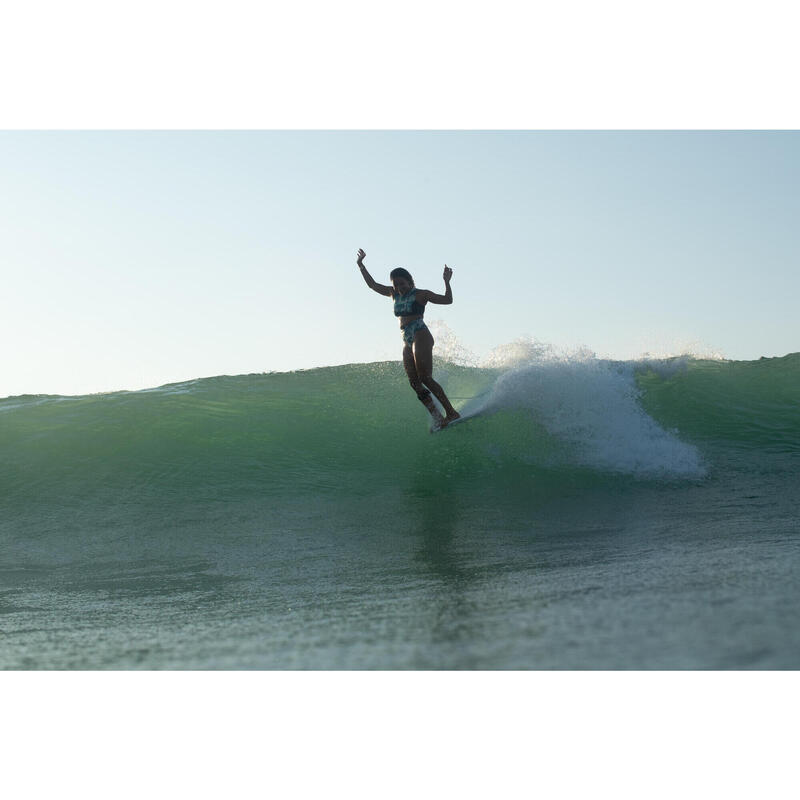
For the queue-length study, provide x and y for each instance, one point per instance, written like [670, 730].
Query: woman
[409, 305]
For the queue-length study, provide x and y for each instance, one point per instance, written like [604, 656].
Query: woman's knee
[424, 374]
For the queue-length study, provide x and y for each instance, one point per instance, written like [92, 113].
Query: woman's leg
[416, 384]
[423, 360]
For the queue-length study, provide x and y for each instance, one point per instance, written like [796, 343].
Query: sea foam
[590, 404]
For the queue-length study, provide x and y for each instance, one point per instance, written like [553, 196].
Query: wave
[749, 405]
[354, 426]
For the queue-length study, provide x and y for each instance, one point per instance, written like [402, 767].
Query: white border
[423, 64]
[400, 735]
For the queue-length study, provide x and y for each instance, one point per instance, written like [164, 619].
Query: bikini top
[406, 305]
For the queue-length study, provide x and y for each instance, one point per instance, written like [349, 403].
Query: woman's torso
[407, 308]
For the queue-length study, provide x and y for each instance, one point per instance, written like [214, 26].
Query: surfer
[409, 305]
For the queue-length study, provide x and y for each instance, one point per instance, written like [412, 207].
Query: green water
[593, 515]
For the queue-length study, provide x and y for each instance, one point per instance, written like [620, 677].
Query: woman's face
[401, 285]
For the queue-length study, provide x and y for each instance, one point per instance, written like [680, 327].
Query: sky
[137, 258]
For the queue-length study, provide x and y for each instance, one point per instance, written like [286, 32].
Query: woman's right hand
[361, 256]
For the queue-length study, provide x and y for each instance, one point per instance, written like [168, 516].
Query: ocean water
[590, 515]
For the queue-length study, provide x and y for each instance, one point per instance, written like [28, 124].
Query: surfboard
[462, 418]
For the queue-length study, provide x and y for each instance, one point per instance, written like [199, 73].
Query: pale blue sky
[135, 259]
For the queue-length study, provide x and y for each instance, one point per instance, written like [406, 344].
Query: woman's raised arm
[439, 299]
[370, 281]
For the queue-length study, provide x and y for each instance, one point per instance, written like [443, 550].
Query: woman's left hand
[448, 273]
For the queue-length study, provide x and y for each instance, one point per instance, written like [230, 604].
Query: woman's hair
[399, 272]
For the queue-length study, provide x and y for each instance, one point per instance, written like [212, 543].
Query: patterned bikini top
[406, 305]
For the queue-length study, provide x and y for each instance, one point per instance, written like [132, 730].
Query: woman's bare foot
[438, 422]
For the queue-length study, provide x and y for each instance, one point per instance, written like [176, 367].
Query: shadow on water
[435, 525]
[452, 614]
